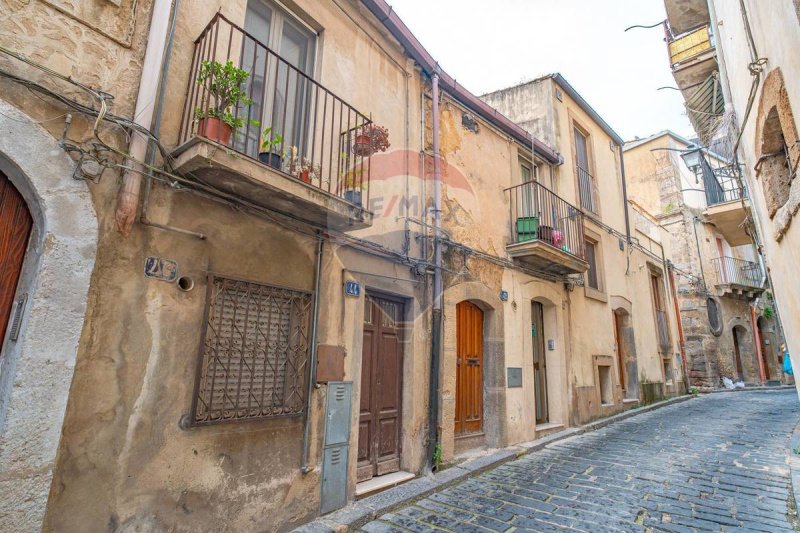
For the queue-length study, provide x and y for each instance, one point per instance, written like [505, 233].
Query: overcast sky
[489, 45]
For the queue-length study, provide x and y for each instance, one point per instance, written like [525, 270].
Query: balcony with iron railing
[547, 232]
[738, 277]
[689, 45]
[692, 56]
[295, 147]
[726, 201]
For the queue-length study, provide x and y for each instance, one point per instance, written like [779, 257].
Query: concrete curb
[360, 512]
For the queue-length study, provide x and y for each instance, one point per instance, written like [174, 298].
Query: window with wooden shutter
[254, 356]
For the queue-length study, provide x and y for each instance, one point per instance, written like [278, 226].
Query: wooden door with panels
[539, 363]
[15, 230]
[381, 387]
[469, 370]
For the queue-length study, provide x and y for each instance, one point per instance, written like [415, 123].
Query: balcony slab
[728, 218]
[547, 258]
[229, 171]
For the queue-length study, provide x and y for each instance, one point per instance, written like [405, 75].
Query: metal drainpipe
[128, 199]
[699, 255]
[151, 152]
[436, 326]
[312, 358]
[625, 195]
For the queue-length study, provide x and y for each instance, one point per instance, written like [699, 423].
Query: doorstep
[379, 483]
[548, 428]
[364, 510]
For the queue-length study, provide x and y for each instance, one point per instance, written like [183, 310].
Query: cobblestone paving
[718, 463]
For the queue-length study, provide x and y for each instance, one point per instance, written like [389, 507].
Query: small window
[592, 278]
[528, 171]
[714, 320]
[254, 358]
[606, 388]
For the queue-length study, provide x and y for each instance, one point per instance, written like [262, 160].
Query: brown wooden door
[620, 352]
[381, 388]
[469, 369]
[539, 364]
[737, 355]
[15, 228]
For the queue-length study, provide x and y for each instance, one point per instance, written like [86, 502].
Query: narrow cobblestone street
[717, 463]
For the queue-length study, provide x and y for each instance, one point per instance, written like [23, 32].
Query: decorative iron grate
[254, 356]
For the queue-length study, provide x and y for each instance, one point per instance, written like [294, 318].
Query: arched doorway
[15, 230]
[738, 338]
[469, 369]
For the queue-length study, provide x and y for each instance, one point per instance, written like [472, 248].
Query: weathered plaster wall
[124, 462]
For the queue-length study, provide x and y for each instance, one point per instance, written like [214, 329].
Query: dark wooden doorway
[539, 363]
[381, 388]
[15, 229]
[469, 369]
[623, 381]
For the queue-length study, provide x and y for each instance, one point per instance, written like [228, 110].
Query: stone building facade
[738, 98]
[716, 283]
[213, 332]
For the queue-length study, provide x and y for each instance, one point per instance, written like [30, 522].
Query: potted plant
[354, 185]
[370, 138]
[303, 168]
[224, 84]
[269, 142]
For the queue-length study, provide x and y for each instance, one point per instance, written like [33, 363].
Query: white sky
[489, 45]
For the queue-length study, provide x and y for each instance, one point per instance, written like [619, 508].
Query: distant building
[718, 281]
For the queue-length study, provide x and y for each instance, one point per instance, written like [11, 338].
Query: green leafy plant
[797, 450]
[224, 84]
[769, 312]
[437, 456]
[270, 140]
[694, 391]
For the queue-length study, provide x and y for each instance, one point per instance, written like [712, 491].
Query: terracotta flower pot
[362, 145]
[304, 176]
[214, 129]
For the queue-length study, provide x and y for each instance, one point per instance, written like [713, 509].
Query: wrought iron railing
[318, 138]
[689, 45]
[733, 271]
[587, 190]
[538, 214]
[663, 330]
[720, 191]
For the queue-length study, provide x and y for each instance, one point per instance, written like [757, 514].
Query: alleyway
[718, 463]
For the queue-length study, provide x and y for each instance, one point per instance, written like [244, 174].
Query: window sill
[595, 294]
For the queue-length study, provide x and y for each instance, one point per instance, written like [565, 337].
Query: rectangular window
[282, 96]
[592, 279]
[661, 314]
[586, 185]
[254, 357]
[528, 171]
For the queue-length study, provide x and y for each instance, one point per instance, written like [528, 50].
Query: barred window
[254, 357]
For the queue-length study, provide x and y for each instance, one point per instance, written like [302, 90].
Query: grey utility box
[336, 448]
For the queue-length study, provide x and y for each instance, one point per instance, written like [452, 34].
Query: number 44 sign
[352, 288]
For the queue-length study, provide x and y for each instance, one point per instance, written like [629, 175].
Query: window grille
[254, 356]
